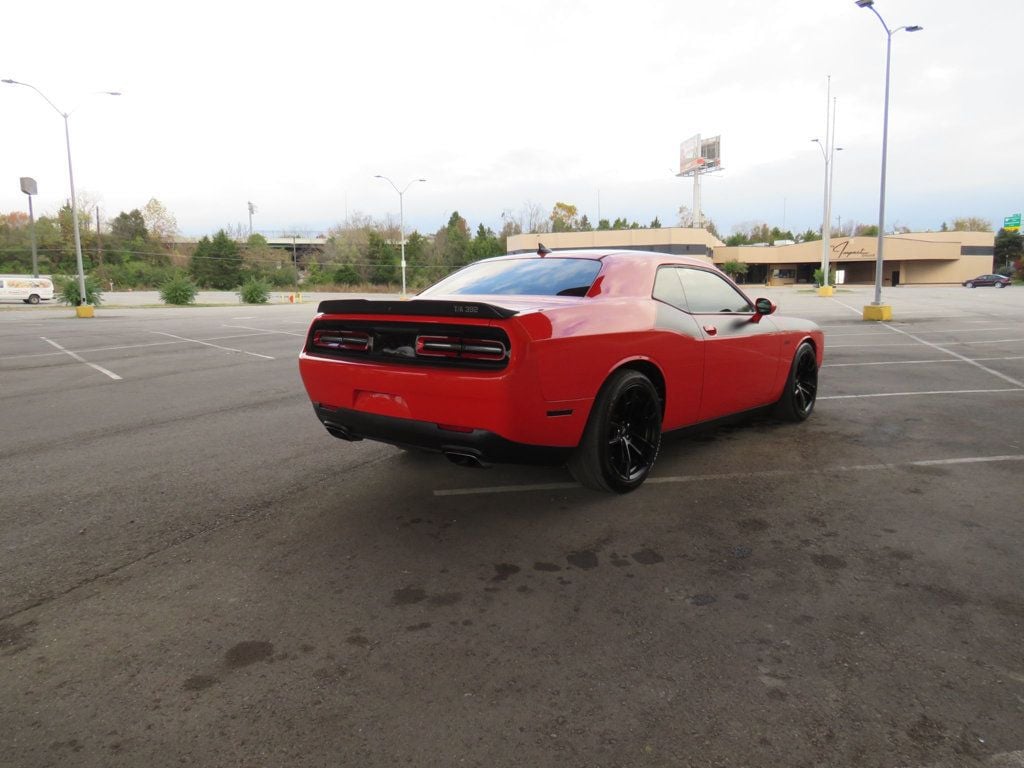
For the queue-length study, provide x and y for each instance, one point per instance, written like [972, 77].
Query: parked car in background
[999, 281]
[26, 288]
[577, 357]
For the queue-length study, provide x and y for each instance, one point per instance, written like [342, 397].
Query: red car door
[741, 357]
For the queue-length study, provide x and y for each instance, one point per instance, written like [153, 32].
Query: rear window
[522, 277]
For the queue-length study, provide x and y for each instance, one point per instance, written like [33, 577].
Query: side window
[706, 292]
[668, 289]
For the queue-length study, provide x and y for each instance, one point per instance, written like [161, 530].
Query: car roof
[600, 254]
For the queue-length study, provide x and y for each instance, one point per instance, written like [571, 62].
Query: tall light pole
[28, 186]
[877, 310]
[71, 179]
[829, 156]
[401, 216]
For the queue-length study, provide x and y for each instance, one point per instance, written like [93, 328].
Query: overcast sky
[296, 105]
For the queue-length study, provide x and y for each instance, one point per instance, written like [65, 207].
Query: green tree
[809, 236]
[1009, 248]
[585, 225]
[485, 244]
[735, 269]
[603, 225]
[564, 218]
[457, 251]
[384, 260]
[656, 224]
[972, 224]
[129, 227]
[866, 230]
[217, 263]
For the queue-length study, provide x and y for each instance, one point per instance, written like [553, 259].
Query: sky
[499, 105]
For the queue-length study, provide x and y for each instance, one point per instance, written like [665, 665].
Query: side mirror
[762, 307]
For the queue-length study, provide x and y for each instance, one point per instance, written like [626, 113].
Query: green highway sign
[1012, 223]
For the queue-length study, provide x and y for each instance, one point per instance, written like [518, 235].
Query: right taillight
[460, 348]
[352, 341]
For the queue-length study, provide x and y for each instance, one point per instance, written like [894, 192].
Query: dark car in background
[999, 281]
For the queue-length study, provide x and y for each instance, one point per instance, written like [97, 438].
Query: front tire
[801, 392]
[622, 437]
[969, 284]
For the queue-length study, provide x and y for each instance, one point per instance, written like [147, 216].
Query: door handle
[710, 330]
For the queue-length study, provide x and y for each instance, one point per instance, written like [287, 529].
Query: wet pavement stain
[752, 525]
[828, 562]
[584, 559]
[358, 640]
[408, 596]
[503, 570]
[742, 552]
[648, 557]
[702, 600]
[14, 639]
[539, 566]
[199, 683]
[448, 598]
[417, 627]
[248, 652]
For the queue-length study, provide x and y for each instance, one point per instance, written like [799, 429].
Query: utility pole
[99, 242]
[252, 210]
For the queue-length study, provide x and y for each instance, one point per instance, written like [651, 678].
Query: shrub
[346, 275]
[68, 293]
[255, 291]
[178, 290]
[283, 277]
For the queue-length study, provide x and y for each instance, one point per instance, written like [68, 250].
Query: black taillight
[353, 341]
[460, 348]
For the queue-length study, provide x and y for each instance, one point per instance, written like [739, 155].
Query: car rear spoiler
[427, 307]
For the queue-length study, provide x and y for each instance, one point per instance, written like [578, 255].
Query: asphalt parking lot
[192, 571]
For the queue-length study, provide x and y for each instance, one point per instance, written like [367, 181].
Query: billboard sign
[690, 156]
[696, 156]
[28, 186]
[711, 152]
[1012, 223]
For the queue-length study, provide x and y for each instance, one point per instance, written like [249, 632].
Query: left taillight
[352, 341]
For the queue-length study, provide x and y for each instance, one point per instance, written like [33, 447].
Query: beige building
[917, 258]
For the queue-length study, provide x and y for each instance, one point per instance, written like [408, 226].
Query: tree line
[138, 248]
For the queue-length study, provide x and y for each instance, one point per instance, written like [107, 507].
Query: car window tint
[522, 277]
[668, 289]
[708, 292]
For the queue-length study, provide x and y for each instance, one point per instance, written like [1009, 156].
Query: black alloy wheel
[801, 392]
[622, 437]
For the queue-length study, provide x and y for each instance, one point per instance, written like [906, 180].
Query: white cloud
[296, 106]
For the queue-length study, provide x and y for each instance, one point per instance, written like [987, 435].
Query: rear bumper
[485, 446]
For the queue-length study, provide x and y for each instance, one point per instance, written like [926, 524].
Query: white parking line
[742, 475]
[931, 392]
[264, 330]
[80, 359]
[918, 362]
[215, 346]
[997, 374]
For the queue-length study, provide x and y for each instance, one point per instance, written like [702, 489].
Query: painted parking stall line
[266, 330]
[922, 394]
[758, 475]
[82, 360]
[215, 346]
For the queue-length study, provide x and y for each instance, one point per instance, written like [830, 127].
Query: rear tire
[622, 437]
[33, 299]
[1000, 285]
[801, 392]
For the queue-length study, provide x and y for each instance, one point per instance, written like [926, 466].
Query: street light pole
[878, 311]
[71, 180]
[401, 216]
[28, 186]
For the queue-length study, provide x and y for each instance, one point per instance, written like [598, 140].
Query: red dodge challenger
[578, 357]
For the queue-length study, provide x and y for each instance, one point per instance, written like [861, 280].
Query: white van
[29, 289]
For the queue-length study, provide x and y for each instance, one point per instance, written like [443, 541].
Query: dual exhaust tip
[461, 458]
